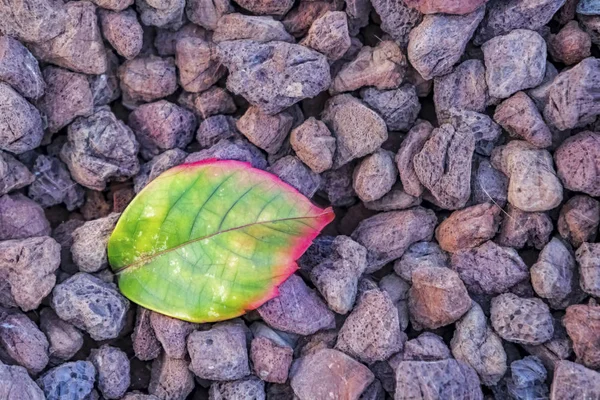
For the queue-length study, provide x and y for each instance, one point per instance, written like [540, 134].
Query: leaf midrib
[145, 260]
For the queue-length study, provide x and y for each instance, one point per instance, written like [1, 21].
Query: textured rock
[105, 87]
[471, 123]
[123, 31]
[487, 183]
[17, 385]
[100, 148]
[329, 35]
[33, 21]
[237, 149]
[374, 176]
[521, 320]
[71, 380]
[436, 380]
[489, 268]
[197, 63]
[112, 365]
[89, 243]
[207, 13]
[65, 340]
[437, 297]
[382, 66]
[504, 16]
[166, 14]
[553, 276]
[463, 88]
[170, 378]
[171, 333]
[477, 345]
[399, 108]
[588, 258]
[284, 74]
[314, 145]
[249, 388]
[573, 381]
[271, 7]
[299, 19]
[91, 305]
[13, 174]
[115, 5]
[579, 219]
[166, 40]
[21, 218]
[336, 277]
[146, 79]
[412, 144]
[297, 309]
[53, 184]
[577, 163]
[27, 269]
[219, 353]
[265, 131]
[145, 344]
[527, 379]
[570, 45]
[469, 227]
[20, 69]
[444, 166]
[358, 129]
[372, 331]
[22, 342]
[520, 229]
[260, 29]
[459, 7]
[161, 126]
[438, 42]
[79, 47]
[291, 170]
[426, 254]
[541, 93]
[337, 185]
[329, 371]
[396, 199]
[67, 96]
[425, 347]
[573, 101]
[514, 62]
[270, 361]
[21, 128]
[397, 19]
[387, 235]
[533, 185]
[582, 323]
[519, 116]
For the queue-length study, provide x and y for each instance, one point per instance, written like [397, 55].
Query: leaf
[210, 240]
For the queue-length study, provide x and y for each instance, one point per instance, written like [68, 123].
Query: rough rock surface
[573, 380]
[22, 341]
[314, 145]
[399, 108]
[73, 380]
[469, 227]
[112, 366]
[21, 218]
[579, 219]
[89, 243]
[374, 176]
[263, 83]
[588, 258]
[21, 128]
[20, 69]
[464, 88]
[65, 340]
[519, 116]
[271, 362]
[577, 160]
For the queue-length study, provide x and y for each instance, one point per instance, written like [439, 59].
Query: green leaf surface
[210, 240]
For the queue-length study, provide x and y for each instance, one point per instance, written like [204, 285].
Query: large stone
[329, 35]
[197, 64]
[519, 116]
[397, 19]
[578, 162]
[574, 381]
[172, 334]
[420, 254]
[123, 31]
[446, 379]
[265, 131]
[399, 108]
[92, 305]
[22, 341]
[89, 243]
[573, 100]
[469, 227]
[100, 148]
[21, 127]
[372, 331]
[314, 145]
[73, 380]
[588, 258]
[170, 379]
[504, 16]
[21, 218]
[579, 219]
[444, 166]
[463, 88]
[53, 184]
[15, 384]
[477, 345]
[437, 297]
[112, 365]
[33, 20]
[358, 129]
[327, 372]
[297, 309]
[374, 176]
[27, 269]
[583, 326]
[79, 47]
[438, 42]
[533, 185]
[273, 76]
[219, 353]
[271, 361]
[387, 235]
[520, 229]
[65, 340]
[382, 66]
[146, 79]
[19, 68]
[514, 62]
